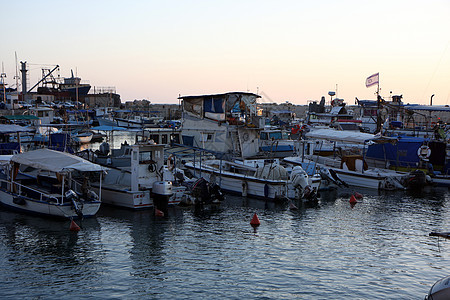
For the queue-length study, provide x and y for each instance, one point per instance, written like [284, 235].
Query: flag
[373, 79]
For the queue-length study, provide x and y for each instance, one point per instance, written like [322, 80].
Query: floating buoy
[292, 206]
[353, 200]
[357, 195]
[74, 226]
[255, 221]
[159, 213]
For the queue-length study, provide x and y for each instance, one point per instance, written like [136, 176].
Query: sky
[292, 51]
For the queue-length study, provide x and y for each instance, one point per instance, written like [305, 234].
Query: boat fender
[152, 167]
[266, 190]
[244, 188]
[170, 162]
[19, 201]
[424, 152]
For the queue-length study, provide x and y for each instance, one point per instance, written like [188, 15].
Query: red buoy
[353, 200]
[255, 221]
[357, 195]
[159, 213]
[74, 226]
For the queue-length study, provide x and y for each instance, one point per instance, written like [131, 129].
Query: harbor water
[376, 249]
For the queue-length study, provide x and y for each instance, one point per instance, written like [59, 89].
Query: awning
[10, 128]
[346, 136]
[108, 128]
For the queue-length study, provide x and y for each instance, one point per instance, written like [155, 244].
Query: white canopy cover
[11, 128]
[340, 135]
[55, 161]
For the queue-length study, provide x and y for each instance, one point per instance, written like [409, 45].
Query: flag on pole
[372, 79]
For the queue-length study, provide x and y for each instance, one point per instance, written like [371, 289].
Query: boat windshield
[145, 156]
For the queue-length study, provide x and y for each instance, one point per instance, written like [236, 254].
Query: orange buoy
[255, 221]
[74, 226]
[158, 213]
[353, 200]
[357, 195]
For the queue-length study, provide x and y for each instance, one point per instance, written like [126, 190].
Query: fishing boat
[50, 183]
[257, 178]
[276, 142]
[138, 182]
[349, 162]
[408, 154]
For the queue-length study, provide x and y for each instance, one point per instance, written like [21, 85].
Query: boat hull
[48, 209]
[124, 198]
[136, 200]
[242, 185]
[373, 179]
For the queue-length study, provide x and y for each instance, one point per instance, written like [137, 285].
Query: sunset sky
[285, 50]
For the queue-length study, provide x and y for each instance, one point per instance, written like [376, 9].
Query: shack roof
[218, 95]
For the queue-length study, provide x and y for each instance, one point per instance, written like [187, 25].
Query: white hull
[372, 178]
[136, 199]
[44, 208]
[82, 139]
[247, 185]
[126, 199]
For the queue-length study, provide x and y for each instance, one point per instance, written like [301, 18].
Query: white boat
[257, 179]
[82, 137]
[50, 183]
[276, 142]
[139, 182]
[351, 171]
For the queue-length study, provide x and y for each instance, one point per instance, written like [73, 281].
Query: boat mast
[3, 76]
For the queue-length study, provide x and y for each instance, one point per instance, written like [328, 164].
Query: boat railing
[20, 189]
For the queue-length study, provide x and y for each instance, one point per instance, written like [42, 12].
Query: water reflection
[146, 241]
[40, 252]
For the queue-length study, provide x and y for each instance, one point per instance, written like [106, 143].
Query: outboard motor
[416, 180]
[299, 177]
[216, 192]
[201, 191]
[72, 196]
[161, 192]
[104, 148]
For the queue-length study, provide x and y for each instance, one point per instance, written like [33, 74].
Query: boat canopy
[7, 128]
[55, 161]
[20, 117]
[109, 128]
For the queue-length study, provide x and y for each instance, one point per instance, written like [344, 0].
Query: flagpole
[378, 107]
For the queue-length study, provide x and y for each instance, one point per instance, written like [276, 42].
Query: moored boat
[50, 183]
[257, 179]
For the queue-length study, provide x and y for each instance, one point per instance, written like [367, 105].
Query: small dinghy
[440, 290]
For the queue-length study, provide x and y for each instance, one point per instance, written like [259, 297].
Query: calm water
[380, 248]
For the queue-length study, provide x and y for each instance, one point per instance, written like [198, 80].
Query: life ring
[424, 152]
[152, 167]
[295, 129]
[170, 162]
